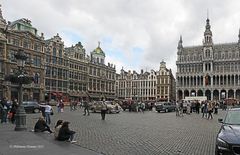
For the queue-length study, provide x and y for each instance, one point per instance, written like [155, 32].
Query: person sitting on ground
[41, 126]
[57, 128]
[65, 134]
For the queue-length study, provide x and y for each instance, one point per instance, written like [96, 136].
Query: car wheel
[159, 111]
[36, 110]
[166, 110]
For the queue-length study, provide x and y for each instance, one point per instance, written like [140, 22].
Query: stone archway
[208, 94]
[230, 93]
[199, 93]
[223, 94]
[186, 93]
[180, 95]
[216, 95]
[193, 93]
[238, 94]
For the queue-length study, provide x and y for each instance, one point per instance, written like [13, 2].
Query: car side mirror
[220, 120]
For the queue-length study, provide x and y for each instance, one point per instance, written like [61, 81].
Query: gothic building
[211, 70]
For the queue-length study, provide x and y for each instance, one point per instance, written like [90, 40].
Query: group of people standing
[8, 110]
[207, 108]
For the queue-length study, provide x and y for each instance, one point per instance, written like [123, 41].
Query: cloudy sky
[135, 34]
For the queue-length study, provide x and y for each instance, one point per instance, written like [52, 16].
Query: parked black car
[165, 106]
[228, 138]
[31, 106]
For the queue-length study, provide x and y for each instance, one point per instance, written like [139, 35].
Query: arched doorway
[200, 93]
[223, 94]
[230, 93]
[180, 95]
[215, 95]
[193, 93]
[208, 94]
[186, 93]
[238, 94]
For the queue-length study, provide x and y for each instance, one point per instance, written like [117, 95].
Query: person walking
[103, 110]
[216, 108]
[181, 109]
[86, 108]
[177, 109]
[14, 110]
[204, 109]
[210, 110]
[65, 134]
[58, 106]
[61, 106]
[197, 107]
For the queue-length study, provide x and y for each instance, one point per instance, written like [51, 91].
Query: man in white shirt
[48, 110]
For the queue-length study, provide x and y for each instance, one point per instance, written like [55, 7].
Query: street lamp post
[20, 77]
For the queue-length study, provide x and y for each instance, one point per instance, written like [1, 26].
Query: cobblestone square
[137, 133]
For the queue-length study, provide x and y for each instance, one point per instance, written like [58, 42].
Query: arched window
[54, 51]
[36, 78]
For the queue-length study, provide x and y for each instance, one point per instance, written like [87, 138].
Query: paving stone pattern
[133, 133]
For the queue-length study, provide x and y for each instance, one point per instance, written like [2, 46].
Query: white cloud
[154, 25]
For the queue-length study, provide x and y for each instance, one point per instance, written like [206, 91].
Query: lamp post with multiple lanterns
[20, 77]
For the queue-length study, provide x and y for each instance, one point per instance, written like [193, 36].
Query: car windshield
[233, 117]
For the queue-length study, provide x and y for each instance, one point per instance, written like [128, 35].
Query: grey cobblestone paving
[141, 134]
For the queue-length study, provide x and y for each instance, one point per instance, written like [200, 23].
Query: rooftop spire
[98, 43]
[180, 42]
[207, 32]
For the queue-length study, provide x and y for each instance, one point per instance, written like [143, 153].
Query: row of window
[227, 67]
[78, 67]
[100, 72]
[35, 60]
[138, 84]
[217, 56]
[26, 43]
[139, 93]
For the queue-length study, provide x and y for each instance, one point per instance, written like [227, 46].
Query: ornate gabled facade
[135, 86]
[56, 69]
[59, 73]
[211, 70]
[101, 79]
[166, 86]
[20, 34]
[78, 72]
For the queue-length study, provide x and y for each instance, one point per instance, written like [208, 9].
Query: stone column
[219, 95]
[211, 95]
[234, 93]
